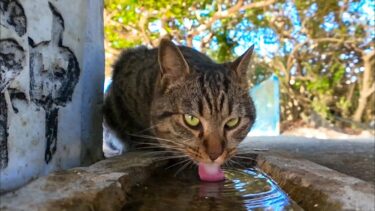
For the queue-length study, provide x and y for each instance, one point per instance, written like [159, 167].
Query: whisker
[143, 136]
[171, 157]
[232, 150]
[246, 158]
[149, 128]
[148, 143]
[160, 139]
[148, 136]
[232, 154]
[158, 147]
[193, 154]
[252, 150]
[159, 152]
[168, 155]
[229, 163]
[192, 163]
[150, 147]
[180, 162]
[182, 168]
[238, 163]
[248, 152]
[177, 143]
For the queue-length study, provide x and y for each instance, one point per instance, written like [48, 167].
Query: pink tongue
[210, 172]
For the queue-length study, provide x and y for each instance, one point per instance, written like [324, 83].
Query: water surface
[243, 189]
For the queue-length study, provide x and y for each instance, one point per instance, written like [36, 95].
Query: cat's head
[201, 108]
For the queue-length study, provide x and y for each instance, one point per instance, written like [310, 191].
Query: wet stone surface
[243, 189]
[101, 186]
[137, 181]
[354, 157]
[316, 187]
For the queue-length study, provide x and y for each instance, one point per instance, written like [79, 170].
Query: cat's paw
[112, 145]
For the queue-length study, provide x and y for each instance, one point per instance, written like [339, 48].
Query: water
[243, 189]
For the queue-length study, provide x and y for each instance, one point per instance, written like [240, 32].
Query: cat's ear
[172, 62]
[242, 64]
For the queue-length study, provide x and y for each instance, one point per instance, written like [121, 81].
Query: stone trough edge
[105, 184]
[315, 187]
[101, 186]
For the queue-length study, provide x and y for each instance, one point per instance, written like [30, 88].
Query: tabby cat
[181, 98]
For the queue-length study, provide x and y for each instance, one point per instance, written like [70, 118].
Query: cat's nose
[214, 146]
[214, 155]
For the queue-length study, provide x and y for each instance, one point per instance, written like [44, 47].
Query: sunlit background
[321, 50]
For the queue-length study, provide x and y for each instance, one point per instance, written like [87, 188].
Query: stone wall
[52, 71]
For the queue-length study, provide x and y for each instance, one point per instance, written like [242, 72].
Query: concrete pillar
[52, 71]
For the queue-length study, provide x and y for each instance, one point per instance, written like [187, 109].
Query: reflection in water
[242, 190]
[254, 189]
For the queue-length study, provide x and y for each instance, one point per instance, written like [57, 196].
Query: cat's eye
[191, 120]
[232, 123]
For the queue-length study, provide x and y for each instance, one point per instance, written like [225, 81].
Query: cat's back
[127, 102]
[133, 60]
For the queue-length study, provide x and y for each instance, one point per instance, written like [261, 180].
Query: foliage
[322, 50]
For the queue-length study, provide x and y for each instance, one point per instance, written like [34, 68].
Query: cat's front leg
[112, 144]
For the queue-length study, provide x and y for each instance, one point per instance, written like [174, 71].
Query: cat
[181, 98]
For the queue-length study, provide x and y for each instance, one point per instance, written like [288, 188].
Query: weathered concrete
[315, 187]
[51, 71]
[102, 186]
[106, 184]
[354, 157]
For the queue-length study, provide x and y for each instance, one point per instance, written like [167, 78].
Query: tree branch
[227, 13]
[370, 90]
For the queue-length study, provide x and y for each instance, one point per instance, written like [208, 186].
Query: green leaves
[312, 48]
[338, 70]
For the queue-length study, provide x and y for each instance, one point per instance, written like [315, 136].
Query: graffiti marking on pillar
[12, 60]
[54, 72]
[13, 16]
[3, 133]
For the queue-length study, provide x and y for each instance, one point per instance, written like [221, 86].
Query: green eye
[191, 120]
[232, 122]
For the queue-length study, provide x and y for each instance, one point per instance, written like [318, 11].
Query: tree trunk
[367, 88]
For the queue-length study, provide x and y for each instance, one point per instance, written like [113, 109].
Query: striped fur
[153, 88]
